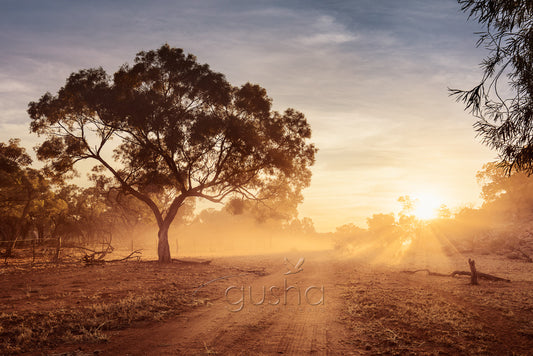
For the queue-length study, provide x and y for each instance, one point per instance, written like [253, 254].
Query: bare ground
[365, 310]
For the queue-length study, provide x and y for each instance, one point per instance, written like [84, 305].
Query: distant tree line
[37, 208]
[502, 224]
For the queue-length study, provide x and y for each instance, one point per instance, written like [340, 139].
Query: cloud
[371, 77]
[328, 39]
[14, 86]
[324, 30]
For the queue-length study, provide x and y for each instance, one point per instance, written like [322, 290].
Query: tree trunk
[11, 246]
[33, 249]
[163, 249]
[58, 249]
[473, 272]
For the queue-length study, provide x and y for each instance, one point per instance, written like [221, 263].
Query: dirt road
[299, 315]
[249, 306]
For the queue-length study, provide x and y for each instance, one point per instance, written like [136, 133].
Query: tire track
[288, 327]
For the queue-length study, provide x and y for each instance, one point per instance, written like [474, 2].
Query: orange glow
[427, 205]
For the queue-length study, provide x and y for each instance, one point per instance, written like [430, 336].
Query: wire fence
[28, 240]
[27, 253]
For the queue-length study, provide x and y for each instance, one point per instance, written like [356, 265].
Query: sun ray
[427, 205]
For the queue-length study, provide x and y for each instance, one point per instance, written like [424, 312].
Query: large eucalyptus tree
[174, 125]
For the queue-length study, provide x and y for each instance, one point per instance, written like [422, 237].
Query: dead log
[480, 275]
[488, 277]
[95, 257]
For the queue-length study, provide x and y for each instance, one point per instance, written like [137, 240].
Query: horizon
[371, 79]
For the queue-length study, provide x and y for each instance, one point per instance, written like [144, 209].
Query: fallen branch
[91, 260]
[192, 261]
[137, 254]
[486, 276]
[527, 258]
[428, 272]
[95, 257]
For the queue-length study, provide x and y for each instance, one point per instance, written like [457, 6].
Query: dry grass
[22, 331]
[71, 304]
[395, 314]
[410, 320]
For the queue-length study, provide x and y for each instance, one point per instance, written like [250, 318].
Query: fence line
[26, 240]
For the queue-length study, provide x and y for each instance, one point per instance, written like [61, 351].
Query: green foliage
[13, 157]
[23, 193]
[502, 102]
[34, 208]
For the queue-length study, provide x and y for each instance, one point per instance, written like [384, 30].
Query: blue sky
[371, 77]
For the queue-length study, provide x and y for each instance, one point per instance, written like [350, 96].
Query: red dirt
[291, 328]
[502, 312]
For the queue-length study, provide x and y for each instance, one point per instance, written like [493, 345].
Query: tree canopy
[177, 127]
[502, 102]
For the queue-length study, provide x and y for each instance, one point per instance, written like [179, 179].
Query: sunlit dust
[427, 206]
[406, 243]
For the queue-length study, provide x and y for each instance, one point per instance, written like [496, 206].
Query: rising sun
[427, 205]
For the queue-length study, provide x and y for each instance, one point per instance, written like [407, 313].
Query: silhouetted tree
[503, 100]
[379, 224]
[22, 189]
[347, 236]
[179, 127]
[444, 212]
[280, 207]
[408, 205]
[507, 195]
[129, 213]
[302, 226]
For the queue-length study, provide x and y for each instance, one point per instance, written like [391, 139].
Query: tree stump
[473, 272]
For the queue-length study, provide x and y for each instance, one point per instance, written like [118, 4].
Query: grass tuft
[21, 331]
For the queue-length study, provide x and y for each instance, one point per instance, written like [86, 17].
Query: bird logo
[294, 268]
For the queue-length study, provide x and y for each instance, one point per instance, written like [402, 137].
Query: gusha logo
[297, 268]
[313, 295]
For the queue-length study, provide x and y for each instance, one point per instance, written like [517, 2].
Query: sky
[371, 77]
